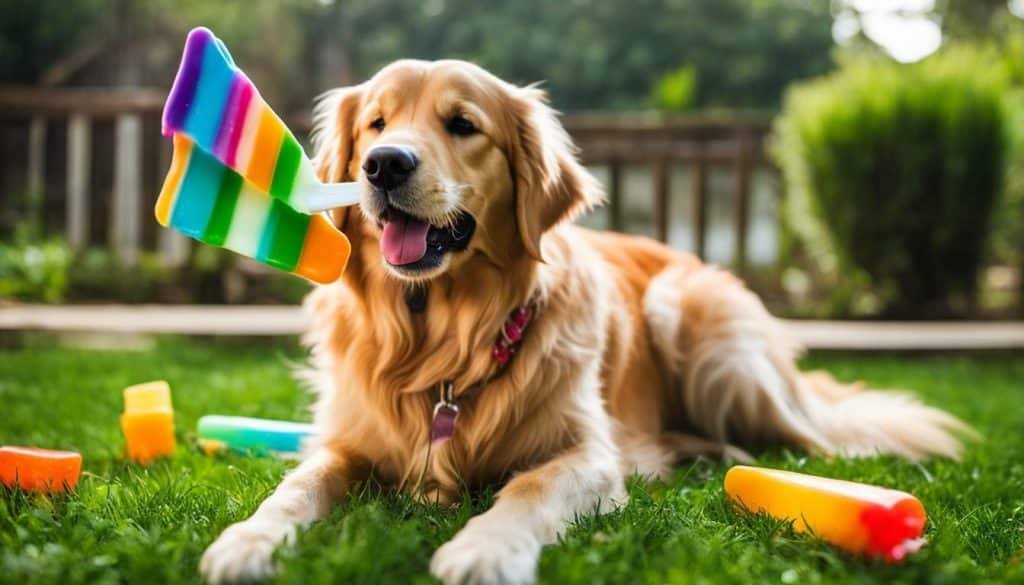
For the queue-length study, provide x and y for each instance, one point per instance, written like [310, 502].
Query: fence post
[1020, 288]
[36, 158]
[661, 193]
[79, 150]
[124, 221]
[615, 195]
[742, 172]
[700, 198]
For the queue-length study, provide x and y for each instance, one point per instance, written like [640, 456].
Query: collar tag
[446, 412]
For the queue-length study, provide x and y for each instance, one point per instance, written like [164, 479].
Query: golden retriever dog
[626, 356]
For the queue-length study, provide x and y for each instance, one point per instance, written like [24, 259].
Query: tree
[608, 55]
[594, 54]
[36, 33]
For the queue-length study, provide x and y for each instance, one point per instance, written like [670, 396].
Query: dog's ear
[551, 185]
[333, 137]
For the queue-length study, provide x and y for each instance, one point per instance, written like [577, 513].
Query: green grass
[136, 524]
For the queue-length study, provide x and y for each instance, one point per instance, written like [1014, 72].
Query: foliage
[212, 276]
[36, 33]
[99, 275]
[33, 267]
[594, 54]
[131, 524]
[977, 19]
[608, 54]
[676, 91]
[46, 270]
[1008, 231]
[34, 270]
[1008, 228]
[895, 170]
[991, 24]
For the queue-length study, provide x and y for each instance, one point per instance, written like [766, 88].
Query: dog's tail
[859, 422]
[760, 397]
[739, 380]
[750, 390]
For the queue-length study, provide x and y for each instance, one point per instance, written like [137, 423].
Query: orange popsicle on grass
[148, 421]
[859, 518]
[42, 470]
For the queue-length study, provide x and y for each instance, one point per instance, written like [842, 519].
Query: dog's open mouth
[412, 244]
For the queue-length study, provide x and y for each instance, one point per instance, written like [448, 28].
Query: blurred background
[851, 159]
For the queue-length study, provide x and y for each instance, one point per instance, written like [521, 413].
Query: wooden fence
[614, 143]
[80, 110]
[700, 145]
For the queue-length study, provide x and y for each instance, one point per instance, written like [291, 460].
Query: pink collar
[511, 335]
[446, 411]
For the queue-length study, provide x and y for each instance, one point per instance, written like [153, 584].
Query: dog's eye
[460, 126]
[378, 124]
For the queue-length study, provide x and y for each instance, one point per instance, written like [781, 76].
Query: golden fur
[640, 355]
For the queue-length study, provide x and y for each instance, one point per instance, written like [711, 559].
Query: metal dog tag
[446, 412]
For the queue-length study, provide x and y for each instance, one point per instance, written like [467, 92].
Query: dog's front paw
[242, 554]
[487, 555]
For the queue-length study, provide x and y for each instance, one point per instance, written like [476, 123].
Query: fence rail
[614, 143]
[288, 320]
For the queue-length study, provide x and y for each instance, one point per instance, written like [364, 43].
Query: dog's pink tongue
[404, 240]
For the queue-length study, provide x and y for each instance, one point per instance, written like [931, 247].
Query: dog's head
[455, 164]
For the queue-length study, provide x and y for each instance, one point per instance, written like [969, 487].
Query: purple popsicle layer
[218, 108]
[185, 82]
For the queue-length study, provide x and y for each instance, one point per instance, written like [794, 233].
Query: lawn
[135, 524]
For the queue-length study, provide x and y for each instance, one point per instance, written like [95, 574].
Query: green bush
[98, 275]
[1008, 229]
[1008, 236]
[34, 270]
[893, 171]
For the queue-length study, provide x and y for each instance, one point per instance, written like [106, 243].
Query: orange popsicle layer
[325, 252]
[179, 164]
[265, 150]
[148, 435]
[34, 469]
[856, 517]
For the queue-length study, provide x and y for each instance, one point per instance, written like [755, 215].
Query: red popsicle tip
[893, 533]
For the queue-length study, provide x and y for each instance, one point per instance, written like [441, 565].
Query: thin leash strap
[423, 471]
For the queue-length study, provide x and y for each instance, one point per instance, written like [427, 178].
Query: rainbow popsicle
[856, 517]
[209, 202]
[214, 104]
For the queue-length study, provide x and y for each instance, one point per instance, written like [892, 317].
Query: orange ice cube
[148, 421]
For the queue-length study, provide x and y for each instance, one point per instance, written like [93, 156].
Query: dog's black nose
[387, 167]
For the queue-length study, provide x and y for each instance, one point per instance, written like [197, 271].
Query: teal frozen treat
[241, 433]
